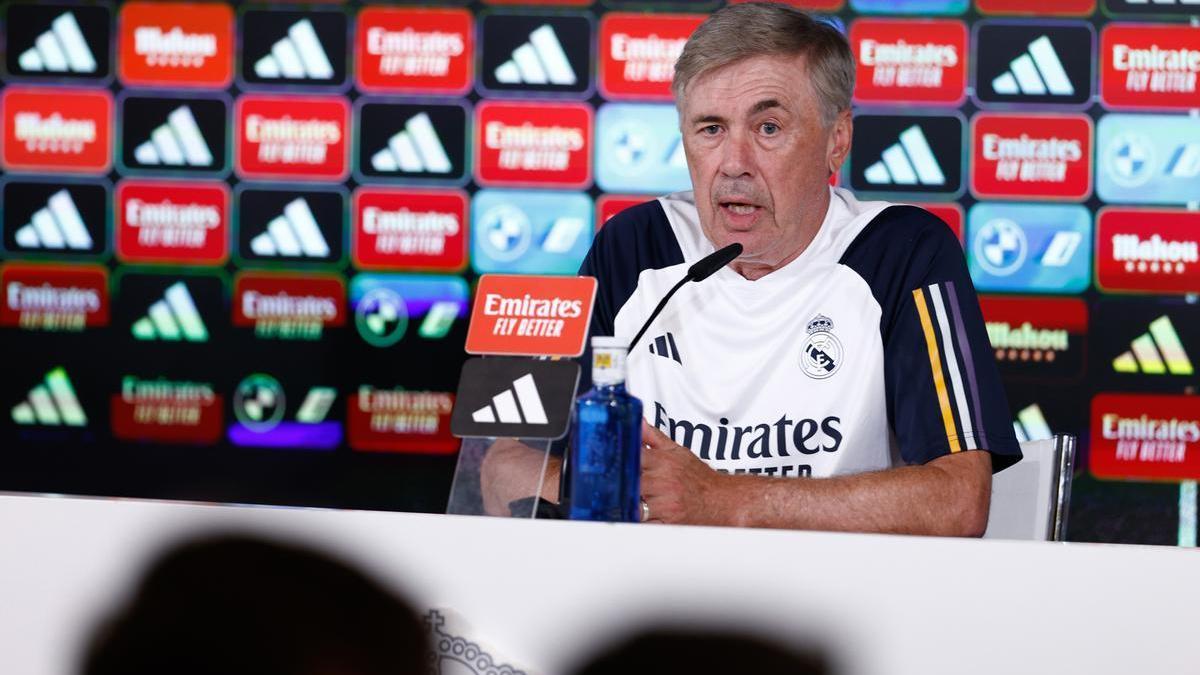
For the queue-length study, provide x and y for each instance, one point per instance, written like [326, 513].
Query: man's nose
[737, 158]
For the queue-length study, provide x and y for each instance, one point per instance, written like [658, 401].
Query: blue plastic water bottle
[604, 469]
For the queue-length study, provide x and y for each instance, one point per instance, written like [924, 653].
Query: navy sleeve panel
[943, 388]
[636, 239]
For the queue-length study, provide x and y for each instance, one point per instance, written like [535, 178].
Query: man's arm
[946, 496]
[510, 471]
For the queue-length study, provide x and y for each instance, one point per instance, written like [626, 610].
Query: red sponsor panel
[1150, 66]
[387, 420]
[1031, 156]
[53, 297]
[533, 144]
[901, 61]
[1037, 7]
[166, 412]
[580, 3]
[173, 221]
[176, 44]
[819, 5]
[1145, 436]
[1148, 250]
[1036, 337]
[402, 229]
[638, 53]
[292, 137]
[418, 50]
[522, 314]
[59, 130]
[262, 300]
[608, 206]
[951, 214]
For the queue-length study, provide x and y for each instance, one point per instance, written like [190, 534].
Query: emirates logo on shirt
[1032, 156]
[910, 61]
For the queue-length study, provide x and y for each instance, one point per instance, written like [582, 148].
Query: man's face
[759, 156]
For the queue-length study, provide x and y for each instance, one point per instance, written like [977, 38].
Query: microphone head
[709, 264]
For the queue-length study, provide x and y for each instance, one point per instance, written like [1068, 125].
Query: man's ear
[840, 134]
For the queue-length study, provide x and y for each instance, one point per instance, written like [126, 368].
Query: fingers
[654, 438]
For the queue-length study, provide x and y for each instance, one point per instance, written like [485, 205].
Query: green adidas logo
[51, 403]
[173, 318]
[1155, 352]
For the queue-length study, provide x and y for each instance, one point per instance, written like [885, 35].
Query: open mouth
[740, 208]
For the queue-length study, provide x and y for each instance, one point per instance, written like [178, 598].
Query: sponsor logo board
[174, 44]
[1146, 344]
[514, 398]
[1142, 436]
[1148, 159]
[531, 315]
[918, 7]
[57, 130]
[292, 137]
[1018, 62]
[640, 149]
[638, 53]
[171, 309]
[1029, 248]
[174, 135]
[398, 420]
[389, 307]
[1039, 338]
[533, 144]
[405, 141]
[291, 226]
[44, 297]
[172, 222]
[901, 61]
[288, 306]
[903, 154]
[268, 415]
[1037, 7]
[58, 219]
[293, 48]
[1150, 66]
[1148, 250]
[57, 41]
[166, 411]
[530, 232]
[543, 53]
[1031, 156]
[396, 228]
[417, 50]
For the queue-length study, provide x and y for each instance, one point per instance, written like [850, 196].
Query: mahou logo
[299, 138]
[1145, 436]
[415, 50]
[638, 53]
[176, 44]
[396, 420]
[1031, 156]
[59, 130]
[910, 61]
[1150, 66]
[176, 222]
[287, 306]
[410, 229]
[534, 144]
[1036, 337]
[53, 297]
[1148, 250]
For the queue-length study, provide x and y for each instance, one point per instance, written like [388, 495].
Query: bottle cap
[608, 342]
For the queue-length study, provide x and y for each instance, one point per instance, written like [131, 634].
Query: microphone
[699, 271]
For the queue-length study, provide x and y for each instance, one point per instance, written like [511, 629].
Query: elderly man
[837, 374]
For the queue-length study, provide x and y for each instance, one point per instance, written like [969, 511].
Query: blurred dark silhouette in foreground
[236, 605]
[703, 652]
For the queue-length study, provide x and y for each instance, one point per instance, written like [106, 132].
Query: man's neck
[753, 270]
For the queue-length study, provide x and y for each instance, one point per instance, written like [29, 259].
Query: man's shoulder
[901, 232]
[639, 237]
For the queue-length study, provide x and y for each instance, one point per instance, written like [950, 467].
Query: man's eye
[710, 130]
[770, 128]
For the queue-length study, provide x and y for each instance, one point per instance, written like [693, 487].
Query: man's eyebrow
[765, 104]
[707, 119]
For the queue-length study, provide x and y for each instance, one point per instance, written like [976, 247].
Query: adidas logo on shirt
[294, 47]
[59, 50]
[1156, 352]
[57, 226]
[664, 346]
[906, 154]
[908, 162]
[539, 61]
[172, 318]
[536, 53]
[1031, 425]
[295, 233]
[519, 404]
[415, 149]
[1018, 62]
[51, 403]
[179, 142]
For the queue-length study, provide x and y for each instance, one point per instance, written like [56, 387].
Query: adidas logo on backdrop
[172, 318]
[292, 47]
[416, 149]
[56, 226]
[176, 143]
[907, 154]
[1156, 352]
[51, 403]
[1022, 62]
[52, 41]
[294, 233]
[60, 49]
[536, 52]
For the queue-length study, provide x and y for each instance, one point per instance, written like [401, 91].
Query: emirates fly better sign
[531, 315]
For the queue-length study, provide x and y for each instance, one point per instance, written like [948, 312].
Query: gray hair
[743, 31]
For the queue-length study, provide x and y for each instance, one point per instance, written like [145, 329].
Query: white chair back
[1030, 498]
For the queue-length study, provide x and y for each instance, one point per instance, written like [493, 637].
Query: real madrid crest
[822, 353]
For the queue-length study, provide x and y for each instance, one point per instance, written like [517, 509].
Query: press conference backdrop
[240, 240]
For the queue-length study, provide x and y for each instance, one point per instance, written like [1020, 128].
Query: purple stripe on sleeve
[965, 346]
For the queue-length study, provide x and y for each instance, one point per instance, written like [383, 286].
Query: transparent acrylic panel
[503, 477]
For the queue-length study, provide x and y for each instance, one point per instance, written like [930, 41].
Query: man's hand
[510, 471]
[677, 486]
